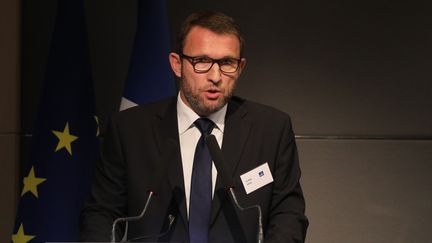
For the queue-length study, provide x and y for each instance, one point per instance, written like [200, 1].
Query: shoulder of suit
[257, 109]
[151, 109]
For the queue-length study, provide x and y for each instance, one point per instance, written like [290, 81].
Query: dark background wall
[9, 112]
[355, 77]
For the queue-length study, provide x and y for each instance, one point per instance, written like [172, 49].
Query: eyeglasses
[203, 64]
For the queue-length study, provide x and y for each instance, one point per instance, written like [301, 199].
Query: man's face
[206, 93]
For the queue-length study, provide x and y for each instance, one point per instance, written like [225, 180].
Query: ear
[242, 65]
[175, 62]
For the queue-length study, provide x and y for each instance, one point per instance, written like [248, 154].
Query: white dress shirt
[189, 136]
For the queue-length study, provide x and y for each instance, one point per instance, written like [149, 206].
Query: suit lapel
[166, 128]
[237, 128]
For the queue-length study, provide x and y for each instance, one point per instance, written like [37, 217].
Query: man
[208, 62]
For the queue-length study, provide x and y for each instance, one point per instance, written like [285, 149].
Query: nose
[214, 74]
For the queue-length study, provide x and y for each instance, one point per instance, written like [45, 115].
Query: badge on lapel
[256, 178]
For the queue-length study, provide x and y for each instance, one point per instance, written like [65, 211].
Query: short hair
[217, 22]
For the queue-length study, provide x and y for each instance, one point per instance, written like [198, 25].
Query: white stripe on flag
[126, 104]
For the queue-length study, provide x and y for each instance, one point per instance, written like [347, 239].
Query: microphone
[169, 147]
[228, 183]
[171, 219]
[130, 219]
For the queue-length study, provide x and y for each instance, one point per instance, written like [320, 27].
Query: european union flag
[149, 77]
[65, 144]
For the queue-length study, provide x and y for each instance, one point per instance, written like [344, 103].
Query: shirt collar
[186, 116]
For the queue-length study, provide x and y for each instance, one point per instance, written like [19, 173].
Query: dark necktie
[201, 186]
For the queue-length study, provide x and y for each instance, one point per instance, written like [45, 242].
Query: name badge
[256, 178]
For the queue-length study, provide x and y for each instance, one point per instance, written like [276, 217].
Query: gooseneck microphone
[228, 183]
[171, 219]
[260, 234]
[168, 150]
[130, 219]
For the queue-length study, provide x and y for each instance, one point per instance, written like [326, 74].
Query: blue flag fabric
[65, 145]
[149, 77]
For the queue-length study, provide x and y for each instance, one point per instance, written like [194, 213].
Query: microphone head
[219, 162]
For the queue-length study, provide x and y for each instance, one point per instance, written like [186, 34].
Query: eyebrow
[224, 57]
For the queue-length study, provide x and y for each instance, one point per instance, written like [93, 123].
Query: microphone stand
[128, 219]
[171, 219]
[260, 234]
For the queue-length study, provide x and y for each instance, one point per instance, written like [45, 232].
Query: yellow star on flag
[21, 237]
[65, 139]
[31, 182]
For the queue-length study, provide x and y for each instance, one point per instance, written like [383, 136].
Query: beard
[199, 104]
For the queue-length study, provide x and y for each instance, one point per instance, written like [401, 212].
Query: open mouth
[212, 93]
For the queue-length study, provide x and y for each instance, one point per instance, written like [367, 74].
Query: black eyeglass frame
[194, 61]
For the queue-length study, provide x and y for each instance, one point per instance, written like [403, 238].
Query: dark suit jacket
[132, 154]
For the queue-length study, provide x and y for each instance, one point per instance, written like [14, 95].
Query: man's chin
[211, 106]
[215, 104]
